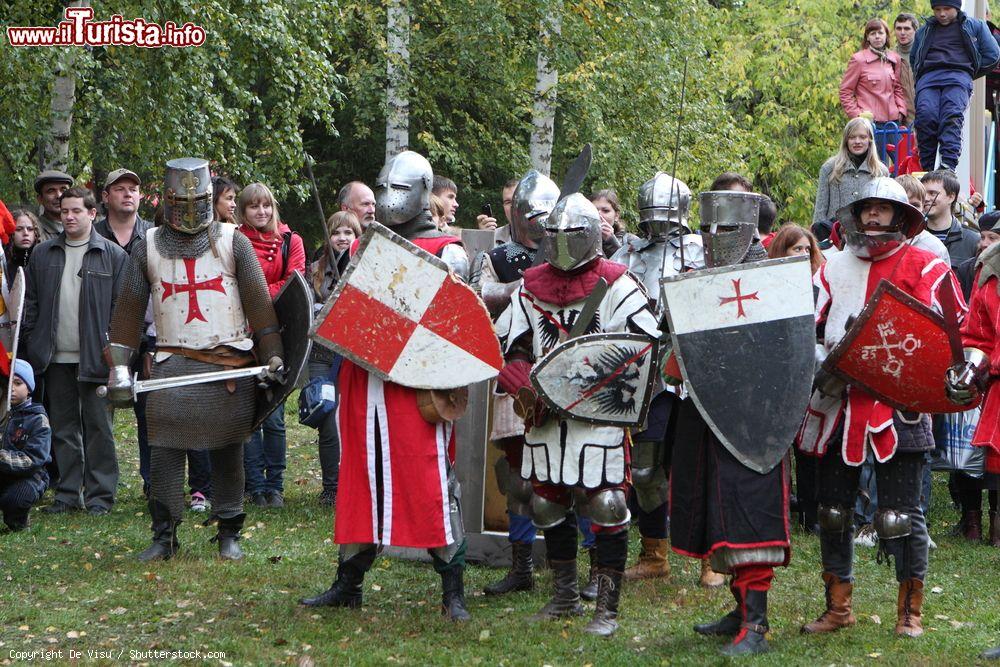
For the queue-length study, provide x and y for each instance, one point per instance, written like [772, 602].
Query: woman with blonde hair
[280, 252]
[842, 177]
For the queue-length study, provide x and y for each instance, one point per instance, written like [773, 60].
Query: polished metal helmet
[663, 205]
[187, 195]
[871, 241]
[728, 224]
[534, 198]
[403, 189]
[572, 233]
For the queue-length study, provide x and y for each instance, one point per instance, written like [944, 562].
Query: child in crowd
[24, 451]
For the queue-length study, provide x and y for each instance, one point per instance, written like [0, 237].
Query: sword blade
[589, 308]
[144, 386]
[949, 309]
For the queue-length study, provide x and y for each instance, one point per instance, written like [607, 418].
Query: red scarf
[561, 288]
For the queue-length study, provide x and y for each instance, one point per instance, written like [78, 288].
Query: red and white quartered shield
[398, 313]
[744, 336]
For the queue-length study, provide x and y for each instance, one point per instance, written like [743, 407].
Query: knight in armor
[499, 276]
[665, 246]
[570, 462]
[394, 464]
[978, 376]
[720, 508]
[212, 312]
[844, 422]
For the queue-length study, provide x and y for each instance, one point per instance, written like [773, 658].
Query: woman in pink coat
[871, 84]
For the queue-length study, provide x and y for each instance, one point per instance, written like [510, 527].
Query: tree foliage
[279, 79]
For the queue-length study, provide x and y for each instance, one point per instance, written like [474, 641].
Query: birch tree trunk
[543, 114]
[56, 144]
[397, 122]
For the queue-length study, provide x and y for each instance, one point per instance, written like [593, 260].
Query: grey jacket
[103, 270]
[831, 197]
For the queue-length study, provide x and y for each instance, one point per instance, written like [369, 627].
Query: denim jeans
[264, 455]
[329, 438]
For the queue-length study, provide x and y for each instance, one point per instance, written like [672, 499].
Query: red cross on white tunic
[738, 299]
[192, 288]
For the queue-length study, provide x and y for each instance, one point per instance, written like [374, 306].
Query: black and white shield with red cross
[744, 337]
[398, 312]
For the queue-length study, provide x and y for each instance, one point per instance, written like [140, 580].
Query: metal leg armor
[447, 553]
[899, 521]
[649, 476]
[837, 487]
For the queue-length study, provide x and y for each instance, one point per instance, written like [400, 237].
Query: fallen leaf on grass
[88, 567]
[941, 617]
[875, 619]
[376, 587]
[484, 635]
[874, 655]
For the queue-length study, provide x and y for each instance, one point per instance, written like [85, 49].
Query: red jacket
[268, 249]
[980, 330]
[872, 84]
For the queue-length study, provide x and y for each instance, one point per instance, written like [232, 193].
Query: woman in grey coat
[842, 177]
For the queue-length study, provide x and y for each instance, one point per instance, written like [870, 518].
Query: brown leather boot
[653, 563]
[709, 577]
[994, 529]
[972, 525]
[908, 604]
[838, 607]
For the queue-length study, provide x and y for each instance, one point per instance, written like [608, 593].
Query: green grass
[72, 582]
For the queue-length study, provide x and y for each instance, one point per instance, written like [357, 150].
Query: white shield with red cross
[399, 313]
[744, 336]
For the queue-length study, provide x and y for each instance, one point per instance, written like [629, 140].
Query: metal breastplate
[644, 258]
[196, 300]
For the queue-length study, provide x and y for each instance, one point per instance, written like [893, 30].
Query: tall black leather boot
[453, 594]
[520, 577]
[346, 588]
[164, 528]
[609, 590]
[728, 625]
[565, 599]
[751, 639]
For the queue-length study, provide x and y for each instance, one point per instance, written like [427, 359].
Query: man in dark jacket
[950, 51]
[72, 283]
[940, 192]
[24, 451]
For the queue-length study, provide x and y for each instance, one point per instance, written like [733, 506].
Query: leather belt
[220, 356]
